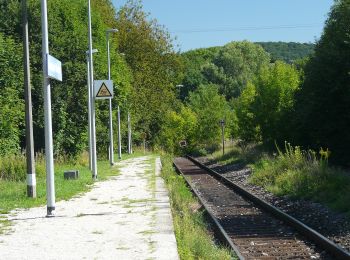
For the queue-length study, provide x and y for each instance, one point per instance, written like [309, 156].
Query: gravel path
[126, 217]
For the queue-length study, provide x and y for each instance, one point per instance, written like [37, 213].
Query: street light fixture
[111, 150]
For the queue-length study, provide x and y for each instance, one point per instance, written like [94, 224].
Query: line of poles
[31, 177]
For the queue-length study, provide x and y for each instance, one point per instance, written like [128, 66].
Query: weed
[147, 232]
[303, 174]
[4, 226]
[122, 248]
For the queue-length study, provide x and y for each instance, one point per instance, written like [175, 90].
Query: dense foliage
[155, 68]
[288, 51]
[266, 104]
[11, 103]
[230, 67]
[263, 91]
[323, 104]
[143, 63]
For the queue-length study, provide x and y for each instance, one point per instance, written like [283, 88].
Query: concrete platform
[127, 217]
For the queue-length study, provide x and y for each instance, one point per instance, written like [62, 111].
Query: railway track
[253, 228]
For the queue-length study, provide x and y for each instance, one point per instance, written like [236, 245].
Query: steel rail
[218, 229]
[303, 229]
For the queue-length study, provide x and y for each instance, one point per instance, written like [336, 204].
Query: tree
[323, 104]
[210, 107]
[11, 97]
[230, 67]
[275, 87]
[248, 129]
[155, 66]
[264, 109]
[68, 42]
[288, 52]
[194, 61]
[178, 126]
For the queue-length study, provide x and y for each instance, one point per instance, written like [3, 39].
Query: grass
[193, 238]
[295, 173]
[13, 192]
[4, 225]
[304, 174]
[237, 154]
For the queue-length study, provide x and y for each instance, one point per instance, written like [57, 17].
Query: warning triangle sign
[103, 91]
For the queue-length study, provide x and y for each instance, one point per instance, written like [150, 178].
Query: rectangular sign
[54, 68]
[103, 89]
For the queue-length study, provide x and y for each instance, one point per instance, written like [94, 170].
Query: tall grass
[13, 186]
[13, 167]
[304, 174]
[193, 239]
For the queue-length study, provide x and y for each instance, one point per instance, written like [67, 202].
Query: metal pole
[31, 179]
[89, 109]
[223, 136]
[111, 149]
[50, 177]
[89, 105]
[119, 136]
[93, 126]
[129, 134]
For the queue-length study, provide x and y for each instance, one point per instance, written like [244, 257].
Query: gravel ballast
[333, 225]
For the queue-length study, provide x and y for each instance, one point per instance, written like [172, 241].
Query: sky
[206, 23]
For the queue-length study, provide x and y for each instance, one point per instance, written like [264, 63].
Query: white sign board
[103, 89]
[54, 68]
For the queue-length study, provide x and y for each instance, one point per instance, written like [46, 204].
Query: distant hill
[287, 51]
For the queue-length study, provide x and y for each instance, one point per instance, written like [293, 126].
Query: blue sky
[205, 23]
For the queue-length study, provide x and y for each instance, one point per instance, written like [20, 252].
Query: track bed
[257, 234]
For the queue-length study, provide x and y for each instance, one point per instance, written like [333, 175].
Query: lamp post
[222, 123]
[92, 100]
[89, 105]
[111, 150]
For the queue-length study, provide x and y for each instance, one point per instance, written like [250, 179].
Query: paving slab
[126, 217]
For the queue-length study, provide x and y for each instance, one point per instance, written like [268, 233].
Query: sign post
[51, 68]
[222, 123]
[111, 148]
